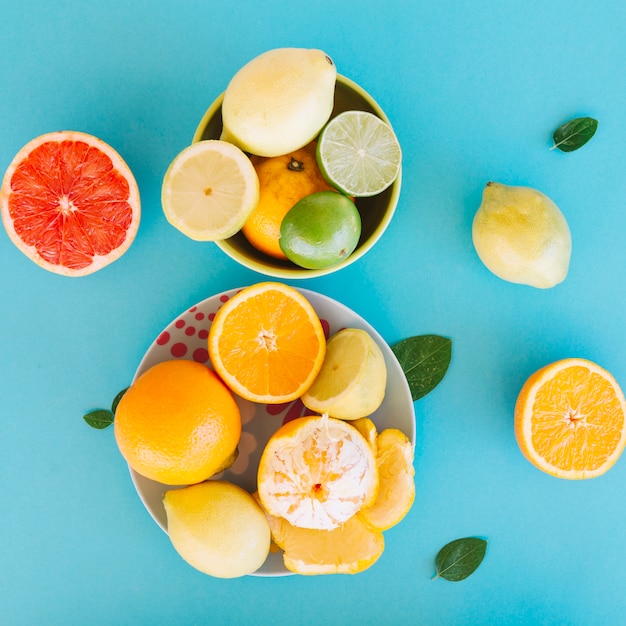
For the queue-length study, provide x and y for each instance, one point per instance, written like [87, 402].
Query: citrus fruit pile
[284, 172]
[70, 203]
[320, 477]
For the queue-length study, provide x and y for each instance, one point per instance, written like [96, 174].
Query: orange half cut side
[570, 419]
[267, 343]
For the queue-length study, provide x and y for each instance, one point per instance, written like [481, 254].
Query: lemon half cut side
[209, 190]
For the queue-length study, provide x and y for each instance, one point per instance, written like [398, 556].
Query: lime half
[209, 190]
[359, 154]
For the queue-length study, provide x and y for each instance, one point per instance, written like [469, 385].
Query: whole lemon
[521, 236]
[279, 101]
[178, 423]
[218, 528]
[321, 230]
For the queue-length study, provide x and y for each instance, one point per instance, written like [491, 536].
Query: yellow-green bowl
[376, 211]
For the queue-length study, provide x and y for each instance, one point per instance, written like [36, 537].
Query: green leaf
[424, 360]
[460, 558]
[574, 134]
[100, 418]
[117, 399]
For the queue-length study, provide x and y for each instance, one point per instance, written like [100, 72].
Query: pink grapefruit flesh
[70, 203]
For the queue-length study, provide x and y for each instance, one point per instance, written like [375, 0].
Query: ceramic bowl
[186, 338]
[376, 211]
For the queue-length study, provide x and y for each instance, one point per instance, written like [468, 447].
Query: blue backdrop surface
[474, 91]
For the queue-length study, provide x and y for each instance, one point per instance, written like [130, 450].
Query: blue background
[474, 90]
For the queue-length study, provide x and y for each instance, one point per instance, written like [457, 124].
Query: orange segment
[317, 472]
[70, 203]
[348, 549]
[267, 343]
[368, 429]
[396, 491]
[569, 419]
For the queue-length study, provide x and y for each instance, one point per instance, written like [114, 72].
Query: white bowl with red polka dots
[186, 338]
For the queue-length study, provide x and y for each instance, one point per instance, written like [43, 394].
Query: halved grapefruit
[70, 203]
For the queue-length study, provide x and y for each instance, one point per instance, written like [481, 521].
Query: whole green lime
[321, 230]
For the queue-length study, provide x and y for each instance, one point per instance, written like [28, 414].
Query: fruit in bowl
[175, 416]
[279, 101]
[357, 155]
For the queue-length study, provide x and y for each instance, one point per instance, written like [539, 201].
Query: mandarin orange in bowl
[375, 211]
[283, 181]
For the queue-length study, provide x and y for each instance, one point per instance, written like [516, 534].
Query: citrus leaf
[117, 399]
[460, 558]
[425, 360]
[100, 418]
[574, 134]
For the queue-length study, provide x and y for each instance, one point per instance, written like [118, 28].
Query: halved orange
[570, 419]
[70, 203]
[267, 343]
[317, 472]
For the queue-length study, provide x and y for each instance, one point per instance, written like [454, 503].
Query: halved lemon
[209, 190]
[352, 381]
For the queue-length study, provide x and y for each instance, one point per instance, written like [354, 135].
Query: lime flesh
[359, 154]
[321, 230]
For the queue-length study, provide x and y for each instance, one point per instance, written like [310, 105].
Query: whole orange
[178, 423]
[283, 181]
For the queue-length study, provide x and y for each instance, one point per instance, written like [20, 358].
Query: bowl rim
[302, 273]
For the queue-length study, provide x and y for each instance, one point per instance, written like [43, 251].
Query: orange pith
[178, 423]
[267, 343]
[570, 419]
[283, 181]
[70, 203]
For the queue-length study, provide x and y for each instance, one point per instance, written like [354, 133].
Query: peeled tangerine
[218, 528]
[522, 236]
[317, 472]
[357, 542]
[279, 101]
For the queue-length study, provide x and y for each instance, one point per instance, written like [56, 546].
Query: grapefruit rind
[348, 549]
